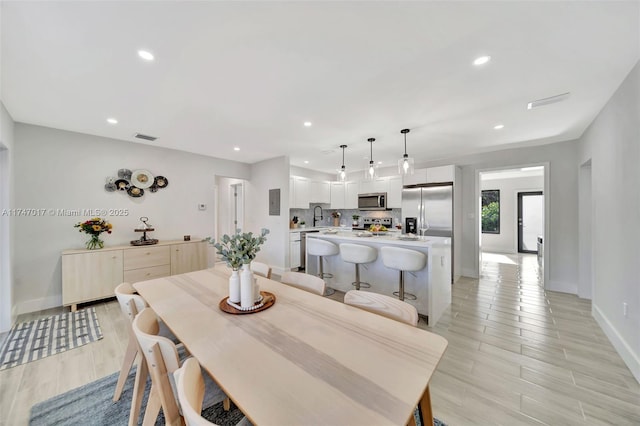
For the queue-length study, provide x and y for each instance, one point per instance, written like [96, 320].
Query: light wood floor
[517, 355]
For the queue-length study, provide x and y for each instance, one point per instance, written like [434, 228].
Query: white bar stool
[358, 254]
[321, 248]
[403, 260]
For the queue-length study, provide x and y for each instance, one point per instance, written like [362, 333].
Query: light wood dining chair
[381, 304]
[261, 269]
[130, 304]
[162, 359]
[190, 388]
[307, 282]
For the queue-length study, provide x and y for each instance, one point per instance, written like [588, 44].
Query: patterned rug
[30, 341]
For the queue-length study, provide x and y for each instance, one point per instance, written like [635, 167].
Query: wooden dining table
[307, 360]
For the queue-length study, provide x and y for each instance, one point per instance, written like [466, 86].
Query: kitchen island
[432, 285]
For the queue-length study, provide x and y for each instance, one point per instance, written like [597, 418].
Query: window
[491, 211]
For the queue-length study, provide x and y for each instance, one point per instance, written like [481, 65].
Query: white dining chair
[307, 282]
[261, 269]
[190, 388]
[381, 304]
[162, 359]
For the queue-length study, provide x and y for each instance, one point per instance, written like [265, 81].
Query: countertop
[389, 238]
[324, 228]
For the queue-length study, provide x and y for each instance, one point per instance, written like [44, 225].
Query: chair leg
[226, 404]
[138, 390]
[153, 407]
[400, 293]
[127, 363]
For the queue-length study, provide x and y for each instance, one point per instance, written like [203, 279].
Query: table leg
[424, 409]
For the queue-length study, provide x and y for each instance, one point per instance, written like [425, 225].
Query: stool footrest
[362, 284]
[406, 295]
[328, 291]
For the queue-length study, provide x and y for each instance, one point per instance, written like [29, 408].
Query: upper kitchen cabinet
[431, 175]
[351, 190]
[338, 195]
[320, 192]
[298, 192]
[394, 193]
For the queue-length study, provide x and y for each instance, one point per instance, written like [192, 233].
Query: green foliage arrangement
[240, 248]
[491, 217]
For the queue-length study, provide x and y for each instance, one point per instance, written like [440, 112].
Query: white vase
[247, 296]
[234, 287]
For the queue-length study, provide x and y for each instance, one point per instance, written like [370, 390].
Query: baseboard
[469, 273]
[40, 304]
[562, 287]
[625, 351]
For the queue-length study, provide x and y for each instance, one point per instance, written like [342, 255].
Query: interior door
[530, 220]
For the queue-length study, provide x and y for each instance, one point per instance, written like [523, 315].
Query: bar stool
[358, 254]
[321, 248]
[403, 260]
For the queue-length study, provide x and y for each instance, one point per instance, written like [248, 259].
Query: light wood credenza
[89, 275]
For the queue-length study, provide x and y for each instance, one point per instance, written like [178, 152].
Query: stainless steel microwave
[373, 201]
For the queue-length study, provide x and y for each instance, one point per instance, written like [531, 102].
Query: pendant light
[370, 172]
[405, 164]
[342, 173]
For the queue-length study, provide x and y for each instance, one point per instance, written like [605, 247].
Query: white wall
[612, 143]
[507, 240]
[56, 169]
[7, 314]
[266, 175]
[561, 248]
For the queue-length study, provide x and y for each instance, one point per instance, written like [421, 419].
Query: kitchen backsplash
[306, 215]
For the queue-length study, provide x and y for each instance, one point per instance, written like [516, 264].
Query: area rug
[92, 404]
[30, 341]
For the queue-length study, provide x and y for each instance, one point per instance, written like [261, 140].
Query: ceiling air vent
[145, 137]
[547, 101]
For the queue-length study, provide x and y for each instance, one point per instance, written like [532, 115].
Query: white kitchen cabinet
[394, 192]
[418, 176]
[351, 191]
[298, 192]
[294, 250]
[338, 195]
[320, 192]
[441, 174]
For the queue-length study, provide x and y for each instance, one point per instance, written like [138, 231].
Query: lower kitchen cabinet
[89, 275]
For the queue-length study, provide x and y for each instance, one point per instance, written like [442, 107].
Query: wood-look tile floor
[516, 355]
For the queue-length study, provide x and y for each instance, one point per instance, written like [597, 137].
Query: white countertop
[390, 238]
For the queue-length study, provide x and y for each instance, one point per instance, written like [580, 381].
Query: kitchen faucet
[316, 216]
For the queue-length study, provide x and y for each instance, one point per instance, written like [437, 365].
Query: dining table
[307, 359]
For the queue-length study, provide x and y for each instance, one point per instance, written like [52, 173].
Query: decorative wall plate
[122, 184]
[142, 178]
[161, 182]
[124, 174]
[135, 192]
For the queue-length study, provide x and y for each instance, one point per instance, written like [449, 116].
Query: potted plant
[302, 224]
[238, 251]
[355, 218]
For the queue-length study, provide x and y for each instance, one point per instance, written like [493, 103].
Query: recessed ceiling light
[307, 124]
[481, 60]
[112, 121]
[236, 148]
[147, 56]
[306, 161]
[498, 126]
[379, 162]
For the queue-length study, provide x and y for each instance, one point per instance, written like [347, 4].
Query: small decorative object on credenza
[144, 227]
[238, 251]
[94, 227]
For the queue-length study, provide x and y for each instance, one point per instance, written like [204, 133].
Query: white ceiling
[248, 74]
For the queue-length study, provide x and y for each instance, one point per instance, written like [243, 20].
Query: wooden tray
[270, 301]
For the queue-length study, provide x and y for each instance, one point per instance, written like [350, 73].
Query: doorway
[530, 221]
[236, 204]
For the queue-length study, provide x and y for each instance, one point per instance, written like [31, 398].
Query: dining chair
[162, 359]
[261, 269]
[190, 388]
[307, 282]
[130, 304]
[381, 304]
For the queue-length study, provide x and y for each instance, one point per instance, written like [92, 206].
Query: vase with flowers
[336, 217]
[94, 227]
[238, 251]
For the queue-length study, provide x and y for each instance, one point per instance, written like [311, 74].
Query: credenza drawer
[145, 257]
[144, 274]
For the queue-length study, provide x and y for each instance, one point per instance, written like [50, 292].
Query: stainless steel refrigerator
[427, 209]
